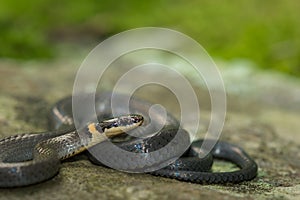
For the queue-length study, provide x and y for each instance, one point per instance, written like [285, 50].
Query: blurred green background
[264, 32]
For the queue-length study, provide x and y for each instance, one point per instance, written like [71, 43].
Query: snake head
[121, 124]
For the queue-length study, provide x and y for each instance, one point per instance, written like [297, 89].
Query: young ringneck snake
[27, 159]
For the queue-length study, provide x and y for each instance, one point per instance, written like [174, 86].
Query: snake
[31, 158]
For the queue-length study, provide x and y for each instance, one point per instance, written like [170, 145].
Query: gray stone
[264, 120]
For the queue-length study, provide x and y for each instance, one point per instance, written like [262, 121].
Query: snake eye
[115, 124]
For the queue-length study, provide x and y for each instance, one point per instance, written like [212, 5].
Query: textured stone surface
[263, 119]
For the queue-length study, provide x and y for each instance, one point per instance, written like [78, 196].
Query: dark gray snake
[32, 158]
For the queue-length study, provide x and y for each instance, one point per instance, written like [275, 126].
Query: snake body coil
[31, 158]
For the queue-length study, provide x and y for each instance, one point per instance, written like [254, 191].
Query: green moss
[265, 32]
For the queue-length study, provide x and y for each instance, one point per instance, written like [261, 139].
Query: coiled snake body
[32, 158]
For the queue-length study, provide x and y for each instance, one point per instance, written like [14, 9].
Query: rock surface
[262, 117]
